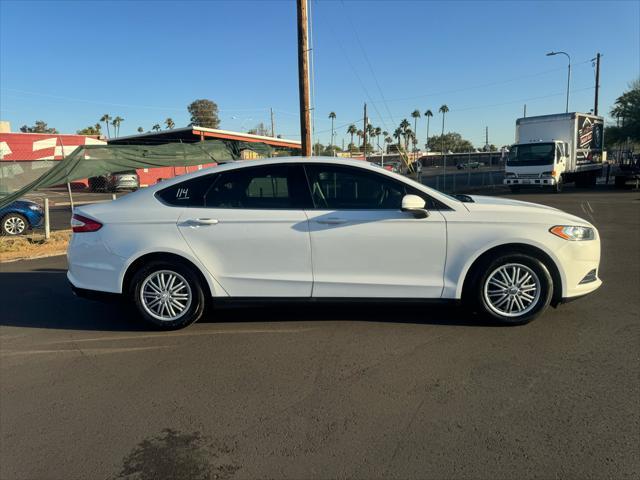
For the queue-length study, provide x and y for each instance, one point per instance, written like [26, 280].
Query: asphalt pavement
[357, 391]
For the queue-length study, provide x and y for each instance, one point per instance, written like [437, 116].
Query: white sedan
[324, 228]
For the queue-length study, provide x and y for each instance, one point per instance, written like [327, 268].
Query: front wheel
[168, 295]
[512, 289]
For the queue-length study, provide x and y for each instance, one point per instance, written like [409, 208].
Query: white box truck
[552, 150]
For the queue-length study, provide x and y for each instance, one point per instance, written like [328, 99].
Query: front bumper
[539, 182]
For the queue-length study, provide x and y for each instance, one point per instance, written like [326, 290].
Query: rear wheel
[13, 224]
[512, 288]
[168, 295]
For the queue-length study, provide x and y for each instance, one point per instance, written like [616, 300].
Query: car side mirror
[414, 205]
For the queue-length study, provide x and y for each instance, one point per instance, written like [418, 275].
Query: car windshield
[531, 154]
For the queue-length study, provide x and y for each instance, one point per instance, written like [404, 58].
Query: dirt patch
[33, 245]
[177, 455]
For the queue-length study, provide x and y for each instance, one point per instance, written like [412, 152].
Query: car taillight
[84, 224]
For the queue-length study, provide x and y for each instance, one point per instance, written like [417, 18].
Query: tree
[428, 114]
[169, 123]
[204, 113]
[38, 127]
[91, 130]
[397, 134]
[140, 129]
[377, 132]
[360, 135]
[443, 110]
[106, 118]
[351, 130]
[156, 127]
[332, 116]
[416, 115]
[450, 142]
[260, 129]
[116, 125]
[626, 111]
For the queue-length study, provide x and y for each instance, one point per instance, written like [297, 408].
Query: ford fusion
[323, 228]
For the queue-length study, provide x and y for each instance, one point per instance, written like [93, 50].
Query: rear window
[189, 193]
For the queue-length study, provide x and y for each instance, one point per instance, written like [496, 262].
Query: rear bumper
[96, 295]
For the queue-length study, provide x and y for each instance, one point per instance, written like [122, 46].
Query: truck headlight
[509, 175]
[573, 233]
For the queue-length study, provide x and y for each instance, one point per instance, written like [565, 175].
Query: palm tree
[169, 123]
[106, 118]
[332, 116]
[397, 133]
[351, 130]
[360, 135]
[408, 135]
[428, 114]
[377, 132]
[156, 127]
[140, 129]
[416, 115]
[116, 125]
[443, 110]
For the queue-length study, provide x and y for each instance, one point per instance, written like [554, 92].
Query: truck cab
[537, 164]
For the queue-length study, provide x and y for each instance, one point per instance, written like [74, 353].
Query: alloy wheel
[165, 295]
[14, 225]
[512, 290]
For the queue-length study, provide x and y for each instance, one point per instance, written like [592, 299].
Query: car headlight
[35, 207]
[573, 233]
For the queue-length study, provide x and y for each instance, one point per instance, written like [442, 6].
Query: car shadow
[44, 300]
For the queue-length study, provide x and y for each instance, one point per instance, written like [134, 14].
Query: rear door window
[265, 187]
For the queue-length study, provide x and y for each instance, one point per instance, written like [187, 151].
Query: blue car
[20, 216]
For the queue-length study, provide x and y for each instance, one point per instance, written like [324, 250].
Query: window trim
[300, 198]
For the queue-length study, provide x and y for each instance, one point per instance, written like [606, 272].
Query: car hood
[483, 203]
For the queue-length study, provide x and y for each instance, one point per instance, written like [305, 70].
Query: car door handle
[206, 221]
[332, 221]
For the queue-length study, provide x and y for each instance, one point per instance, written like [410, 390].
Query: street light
[550, 54]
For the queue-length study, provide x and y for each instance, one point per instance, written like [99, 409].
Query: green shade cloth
[94, 160]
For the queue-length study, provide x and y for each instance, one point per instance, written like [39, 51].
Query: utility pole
[595, 102]
[303, 78]
[524, 113]
[486, 138]
[364, 136]
[273, 128]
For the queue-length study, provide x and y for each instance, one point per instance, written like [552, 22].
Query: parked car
[462, 166]
[19, 217]
[113, 182]
[318, 229]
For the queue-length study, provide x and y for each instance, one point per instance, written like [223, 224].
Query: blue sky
[70, 62]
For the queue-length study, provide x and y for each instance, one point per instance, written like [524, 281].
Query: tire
[485, 290]
[14, 224]
[150, 282]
